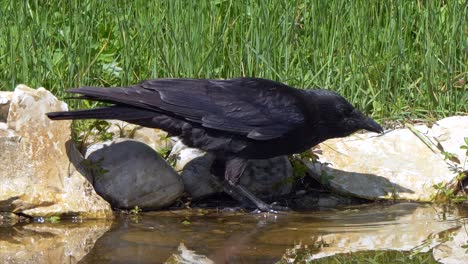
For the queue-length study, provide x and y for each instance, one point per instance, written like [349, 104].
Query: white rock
[36, 175]
[153, 137]
[450, 133]
[135, 175]
[396, 165]
[183, 155]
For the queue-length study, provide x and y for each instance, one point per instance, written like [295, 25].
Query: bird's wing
[258, 108]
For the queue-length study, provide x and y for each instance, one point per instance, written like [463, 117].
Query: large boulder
[402, 164]
[40, 168]
[128, 173]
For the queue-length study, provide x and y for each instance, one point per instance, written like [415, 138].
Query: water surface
[221, 237]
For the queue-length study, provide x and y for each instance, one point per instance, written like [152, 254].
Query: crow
[235, 119]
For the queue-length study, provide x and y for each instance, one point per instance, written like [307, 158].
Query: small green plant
[165, 151]
[53, 219]
[444, 194]
[449, 156]
[465, 147]
[465, 247]
[447, 195]
[297, 163]
[83, 130]
[136, 210]
[447, 192]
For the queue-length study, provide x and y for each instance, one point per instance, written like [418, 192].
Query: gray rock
[39, 168]
[194, 168]
[129, 173]
[397, 165]
[267, 179]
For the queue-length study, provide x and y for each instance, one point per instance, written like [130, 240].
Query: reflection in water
[244, 238]
[66, 242]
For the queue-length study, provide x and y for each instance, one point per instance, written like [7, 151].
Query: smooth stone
[128, 173]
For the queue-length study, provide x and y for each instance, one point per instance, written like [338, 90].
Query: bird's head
[338, 117]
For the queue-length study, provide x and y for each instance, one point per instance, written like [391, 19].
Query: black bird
[236, 119]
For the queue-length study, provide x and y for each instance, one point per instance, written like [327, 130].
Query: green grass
[392, 59]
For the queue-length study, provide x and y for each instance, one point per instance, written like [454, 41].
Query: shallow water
[155, 237]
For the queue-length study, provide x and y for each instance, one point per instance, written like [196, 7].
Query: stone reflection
[66, 242]
[401, 227]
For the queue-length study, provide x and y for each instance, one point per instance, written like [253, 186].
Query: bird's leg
[234, 170]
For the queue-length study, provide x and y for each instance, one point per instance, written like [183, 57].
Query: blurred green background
[393, 59]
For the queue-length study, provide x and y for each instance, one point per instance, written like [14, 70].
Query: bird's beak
[368, 123]
[372, 126]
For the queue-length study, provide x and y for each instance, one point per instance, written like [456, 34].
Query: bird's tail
[110, 112]
[130, 96]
